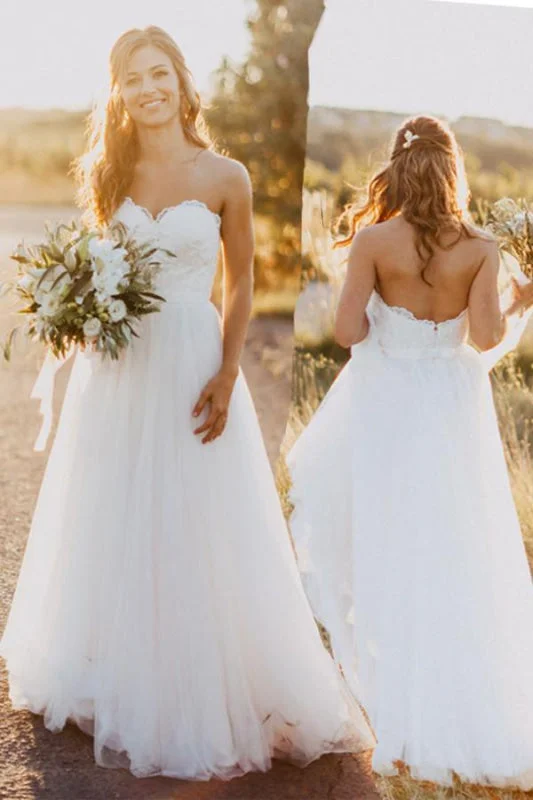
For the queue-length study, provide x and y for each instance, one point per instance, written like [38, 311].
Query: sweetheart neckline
[159, 216]
[405, 312]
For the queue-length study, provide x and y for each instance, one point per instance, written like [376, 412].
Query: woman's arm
[489, 325]
[351, 322]
[238, 250]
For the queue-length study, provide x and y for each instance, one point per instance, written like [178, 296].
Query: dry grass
[405, 788]
[514, 403]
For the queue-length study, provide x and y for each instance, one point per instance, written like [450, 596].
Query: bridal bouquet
[84, 287]
[512, 224]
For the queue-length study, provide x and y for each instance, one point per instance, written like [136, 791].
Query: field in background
[345, 145]
[36, 152]
[37, 148]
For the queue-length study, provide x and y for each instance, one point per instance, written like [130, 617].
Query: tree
[259, 111]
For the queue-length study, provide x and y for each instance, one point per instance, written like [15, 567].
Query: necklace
[193, 158]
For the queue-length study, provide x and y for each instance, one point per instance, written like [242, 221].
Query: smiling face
[150, 87]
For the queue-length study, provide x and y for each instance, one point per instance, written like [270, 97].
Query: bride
[159, 606]
[403, 520]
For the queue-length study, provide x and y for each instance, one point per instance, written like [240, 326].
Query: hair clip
[409, 138]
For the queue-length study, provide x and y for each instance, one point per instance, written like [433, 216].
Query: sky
[437, 56]
[54, 53]
[425, 56]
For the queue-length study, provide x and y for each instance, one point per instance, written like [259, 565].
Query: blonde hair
[105, 171]
[425, 181]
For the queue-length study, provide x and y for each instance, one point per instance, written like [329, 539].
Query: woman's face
[150, 87]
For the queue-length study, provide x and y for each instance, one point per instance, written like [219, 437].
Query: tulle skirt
[159, 605]
[412, 557]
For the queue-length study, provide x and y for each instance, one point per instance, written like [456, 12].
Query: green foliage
[258, 113]
[79, 287]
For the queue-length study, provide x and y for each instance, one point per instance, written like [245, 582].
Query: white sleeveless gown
[412, 555]
[159, 605]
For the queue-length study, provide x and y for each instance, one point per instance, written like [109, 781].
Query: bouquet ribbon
[43, 390]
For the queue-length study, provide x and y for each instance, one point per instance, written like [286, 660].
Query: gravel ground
[38, 765]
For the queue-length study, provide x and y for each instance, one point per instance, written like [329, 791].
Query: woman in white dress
[159, 606]
[403, 520]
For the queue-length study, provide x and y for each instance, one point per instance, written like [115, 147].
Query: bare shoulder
[232, 173]
[481, 236]
[370, 234]
[482, 243]
[373, 238]
[392, 229]
[482, 251]
[364, 242]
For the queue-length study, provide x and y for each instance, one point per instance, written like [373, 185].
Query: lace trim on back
[404, 312]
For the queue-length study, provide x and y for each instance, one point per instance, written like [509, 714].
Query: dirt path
[38, 765]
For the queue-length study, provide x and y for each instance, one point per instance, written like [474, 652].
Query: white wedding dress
[159, 605]
[412, 555]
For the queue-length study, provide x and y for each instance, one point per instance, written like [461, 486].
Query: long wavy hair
[105, 171]
[425, 181]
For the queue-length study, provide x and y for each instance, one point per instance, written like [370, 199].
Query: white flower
[104, 250]
[505, 206]
[117, 310]
[49, 305]
[518, 222]
[106, 282]
[110, 266]
[410, 138]
[27, 282]
[45, 287]
[120, 266]
[99, 248]
[92, 327]
[103, 298]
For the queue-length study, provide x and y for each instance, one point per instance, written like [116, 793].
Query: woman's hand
[216, 395]
[522, 297]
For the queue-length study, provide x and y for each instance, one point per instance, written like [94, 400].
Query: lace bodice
[399, 333]
[191, 231]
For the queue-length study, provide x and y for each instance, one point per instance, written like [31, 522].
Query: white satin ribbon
[43, 390]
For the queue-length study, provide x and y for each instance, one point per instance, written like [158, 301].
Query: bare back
[383, 257]
[449, 277]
